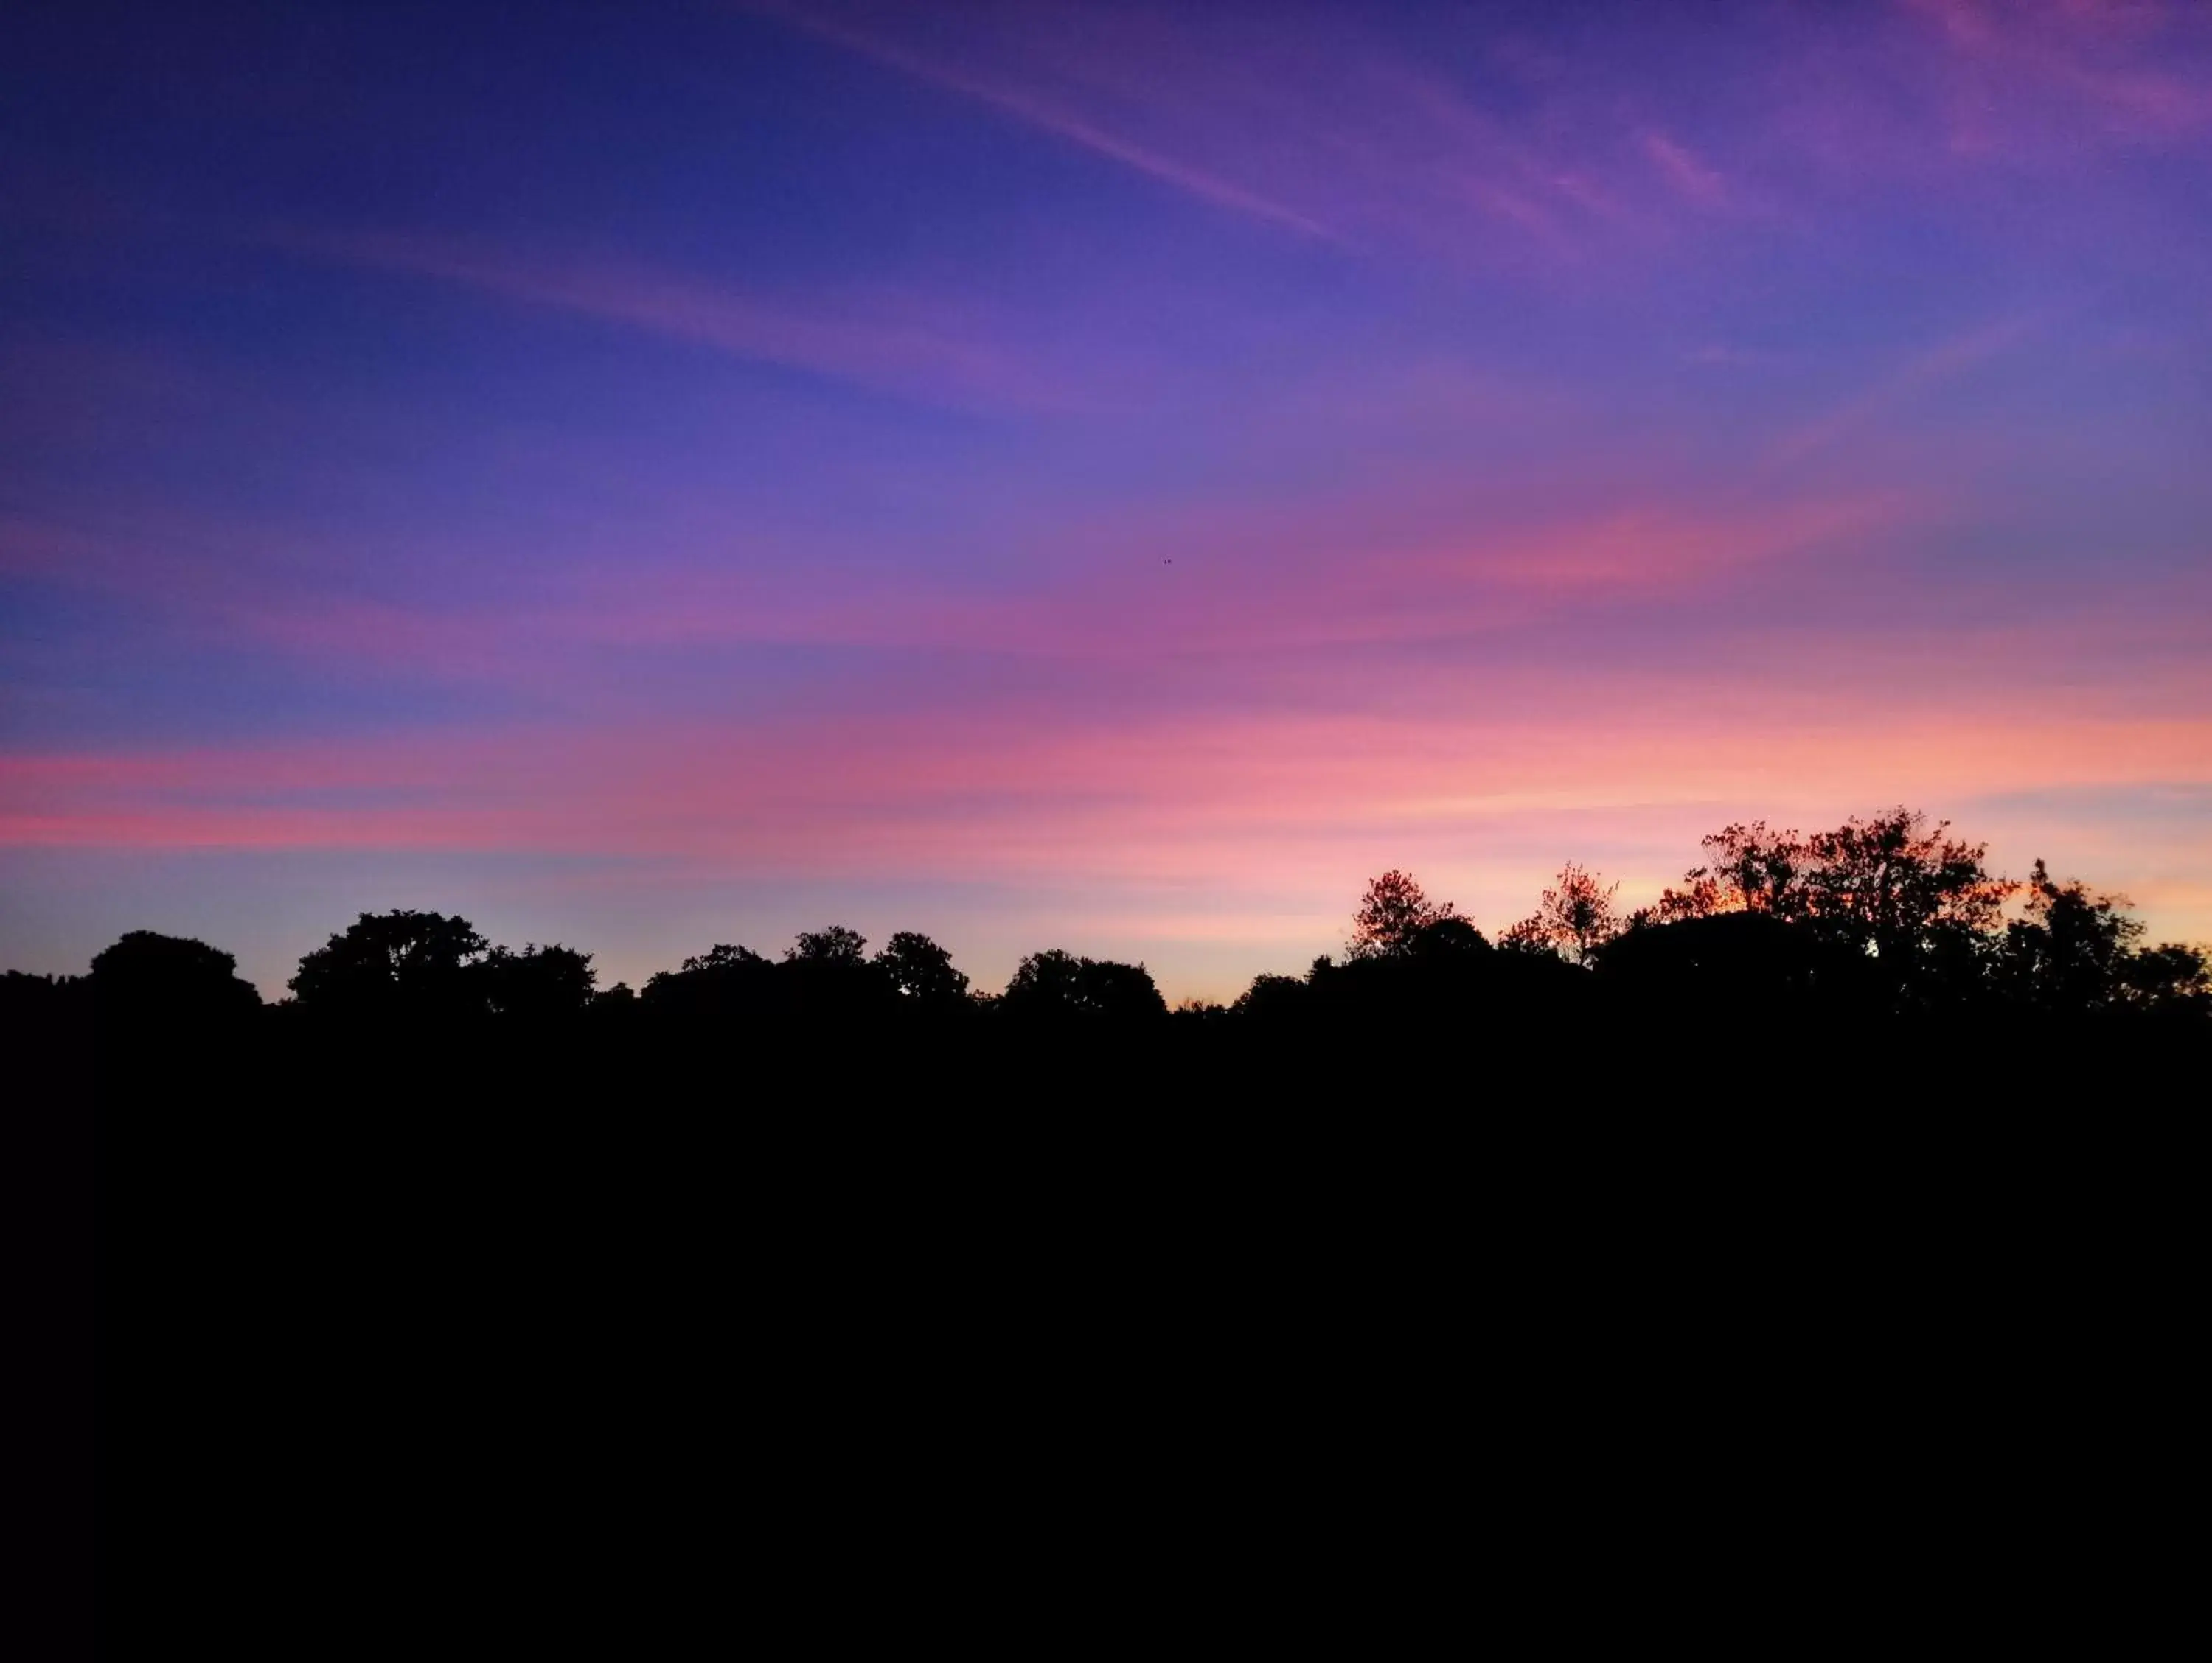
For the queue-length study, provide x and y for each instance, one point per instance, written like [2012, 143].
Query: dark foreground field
[418, 1318]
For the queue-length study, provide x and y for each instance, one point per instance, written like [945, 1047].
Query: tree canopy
[1058, 983]
[920, 970]
[386, 960]
[144, 971]
[542, 983]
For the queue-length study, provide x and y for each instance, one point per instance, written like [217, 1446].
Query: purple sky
[1097, 476]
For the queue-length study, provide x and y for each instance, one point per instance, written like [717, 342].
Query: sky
[1111, 478]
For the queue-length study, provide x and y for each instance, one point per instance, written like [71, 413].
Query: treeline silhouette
[1886, 931]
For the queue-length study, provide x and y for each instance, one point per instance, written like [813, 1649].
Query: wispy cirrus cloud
[1896, 387]
[1140, 589]
[1689, 175]
[2137, 69]
[903, 345]
[1329, 127]
[1035, 110]
[1313, 127]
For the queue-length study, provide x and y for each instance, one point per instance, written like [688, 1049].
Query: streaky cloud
[900, 350]
[1040, 113]
[1933, 367]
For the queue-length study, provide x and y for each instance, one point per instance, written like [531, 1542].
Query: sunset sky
[1110, 477]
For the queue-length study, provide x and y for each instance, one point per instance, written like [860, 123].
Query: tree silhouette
[722, 956]
[826, 978]
[716, 985]
[1746, 976]
[1449, 936]
[1892, 885]
[1273, 999]
[390, 961]
[537, 983]
[2170, 980]
[2067, 951]
[1748, 869]
[921, 970]
[2073, 951]
[1058, 983]
[1898, 887]
[1391, 914]
[1573, 918]
[834, 945]
[1123, 991]
[1052, 980]
[147, 978]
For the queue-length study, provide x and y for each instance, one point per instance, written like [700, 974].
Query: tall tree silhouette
[2067, 951]
[1748, 868]
[1392, 915]
[1573, 918]
[2074, 950]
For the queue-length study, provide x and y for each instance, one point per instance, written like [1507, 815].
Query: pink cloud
[1142, 586]
[1153, 817]
[1240, 580]
[2036, 71]
[1682, 170]
[1142, 792]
